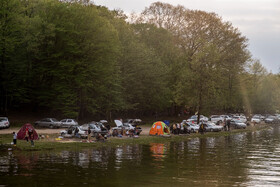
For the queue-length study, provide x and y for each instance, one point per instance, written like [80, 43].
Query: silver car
[48, 122]
[68, 122]
[212, 127]
[95, 127]
[237, 124]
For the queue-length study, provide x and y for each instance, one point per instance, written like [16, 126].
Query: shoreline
[51, 144]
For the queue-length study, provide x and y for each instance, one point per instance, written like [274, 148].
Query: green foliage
[79, 60]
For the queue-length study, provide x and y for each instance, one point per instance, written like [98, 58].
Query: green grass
[50, 144]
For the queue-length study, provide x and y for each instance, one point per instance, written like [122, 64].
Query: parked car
[95, 128]
[216, 119]
[212, 127]
[48, 122]
[256, 119]
[70, 132]
[193, 119]
[101, 126]
[4, 122]
[271, 119]
[125, 126]
[191, 127]
[243, 119]
[237, 124]
[226, 117]
[68, 122]
[133, 122]
[259, 116]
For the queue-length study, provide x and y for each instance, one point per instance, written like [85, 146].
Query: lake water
[245, 159]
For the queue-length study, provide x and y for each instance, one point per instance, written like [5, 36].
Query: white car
[216, 119]
[256, 119]
[225, 117]
[68, 122]
[120, 126]
[240, 118]
[4, 122]
[193, 119]
[70, 132]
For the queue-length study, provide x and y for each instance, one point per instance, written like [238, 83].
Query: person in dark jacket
[228, 125]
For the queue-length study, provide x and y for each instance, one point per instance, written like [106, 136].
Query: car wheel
[51, 126]
[192, 130]
[211, 130]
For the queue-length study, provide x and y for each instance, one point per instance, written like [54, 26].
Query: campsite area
[146, 160]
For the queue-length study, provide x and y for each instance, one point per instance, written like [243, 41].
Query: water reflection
[246, 159]
[158, 151]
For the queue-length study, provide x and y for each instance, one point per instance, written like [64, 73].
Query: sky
[258, 20]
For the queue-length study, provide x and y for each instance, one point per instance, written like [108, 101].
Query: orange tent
[159, 128]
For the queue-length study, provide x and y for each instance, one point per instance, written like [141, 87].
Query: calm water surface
[246, 159]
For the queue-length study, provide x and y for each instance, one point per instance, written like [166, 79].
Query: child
[15, 138]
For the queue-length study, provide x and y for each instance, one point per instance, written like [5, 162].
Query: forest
[74, 59]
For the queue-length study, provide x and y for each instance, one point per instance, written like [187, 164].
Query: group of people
[178, 128]
[123, 132]
[98, 136]
[29, 135]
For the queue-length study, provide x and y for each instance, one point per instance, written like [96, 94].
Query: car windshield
[53, 119]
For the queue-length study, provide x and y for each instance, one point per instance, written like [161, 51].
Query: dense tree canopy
[78, 60]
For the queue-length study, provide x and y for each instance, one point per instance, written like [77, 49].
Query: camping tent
[21, 133]
[159, 128]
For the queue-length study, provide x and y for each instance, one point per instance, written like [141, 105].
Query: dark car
[48, 122]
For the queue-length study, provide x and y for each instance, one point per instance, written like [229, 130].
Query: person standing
[228, 125]
[89, 132]
[31, 137]
[201, 128]
[15, 139]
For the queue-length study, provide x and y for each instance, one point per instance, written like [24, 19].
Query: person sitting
[130, 133]
[115, 133]
[174, 128]
[165, 129]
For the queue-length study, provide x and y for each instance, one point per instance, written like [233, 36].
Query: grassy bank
[51, 144]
